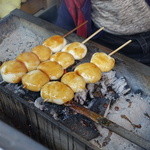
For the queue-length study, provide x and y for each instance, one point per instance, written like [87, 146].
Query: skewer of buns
[77, 49]
[106, 62]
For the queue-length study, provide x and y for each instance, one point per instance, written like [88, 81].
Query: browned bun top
[74, 81]
[12, 71]
[56, 92]
[89, 71]
[55, 43]
[34, 80]
[43, 52]
[63, 58]
[52, 69]
[77, 49]
[103, 61]
[30, 60]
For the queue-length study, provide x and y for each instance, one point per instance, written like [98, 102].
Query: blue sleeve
[64, 18]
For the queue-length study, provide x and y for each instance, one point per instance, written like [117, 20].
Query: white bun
[30, 60]
[12, 71]
[52, 69]
[78, 50]
[89, 71]
[55, 43]
[63, 58]
[56, 92]
[103, 61]
[43, 52]
[34, 80]
[74, 81]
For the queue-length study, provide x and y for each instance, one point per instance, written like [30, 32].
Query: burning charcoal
[39, 103]
[82, 126]
[107, 139]
[147, 115]
[97, 91]
[52, 108]
[81, 97]
[116, 108]
[66, 113]
[54, 114]
[29, 95]
[91, 88]
[138, 91]
[98, 105]
[134, 125]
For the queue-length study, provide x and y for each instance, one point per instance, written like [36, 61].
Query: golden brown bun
[103, 61]
[52, 69]
[74, 81]
[56, 92]
[43, 52]
[89, 71]
[12, 71]
[63, 58]
[34, 80]
[78, 50]
[30, 60]
[55, 43]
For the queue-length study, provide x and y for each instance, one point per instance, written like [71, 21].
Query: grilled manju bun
[30, 60]
[89, 71]
[63, 58]
[52, 69]
[34, 80]
[103, 61]
[74, 81]
[56, 92]
[55, 43]
[78, 50]
[43, 52]
[12, 71]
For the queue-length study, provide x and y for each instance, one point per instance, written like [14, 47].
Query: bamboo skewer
[119, 48]
[92, 35]
[74, 29]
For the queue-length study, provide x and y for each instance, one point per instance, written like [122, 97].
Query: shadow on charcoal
[99, 105]
[82, 126]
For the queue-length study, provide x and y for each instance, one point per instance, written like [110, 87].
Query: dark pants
[138, 49]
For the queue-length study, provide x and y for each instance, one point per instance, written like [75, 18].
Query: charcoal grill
[20, 32]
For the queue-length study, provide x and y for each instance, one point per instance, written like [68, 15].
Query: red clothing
[74, 8]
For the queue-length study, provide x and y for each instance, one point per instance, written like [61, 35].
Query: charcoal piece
[66, 113]
[61, 111]
[29, 95]
[82, 126]
[138, 91]
[98, 105]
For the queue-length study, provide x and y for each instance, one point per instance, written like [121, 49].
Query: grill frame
[43, 127]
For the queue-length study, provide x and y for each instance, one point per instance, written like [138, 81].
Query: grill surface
[20, 32]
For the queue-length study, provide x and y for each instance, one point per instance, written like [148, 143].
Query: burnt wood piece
[136, 139]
